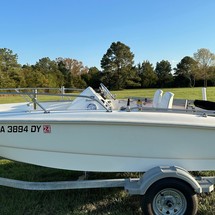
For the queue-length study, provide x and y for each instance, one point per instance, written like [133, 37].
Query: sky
[154, 30]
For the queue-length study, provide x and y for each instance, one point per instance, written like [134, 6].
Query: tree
[92, 78]
[8, 60]
[117, 64]
[187, 68]
[72, 71]
[34, 77]
[16, 76]
[163, 70]
[10, 70]
[73, 66]
[147, 74]
[49, 68]
[132, 80]
[205, 60]
[212, 72]
[5, 81]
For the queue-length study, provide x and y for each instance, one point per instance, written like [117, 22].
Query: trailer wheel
[169, 196]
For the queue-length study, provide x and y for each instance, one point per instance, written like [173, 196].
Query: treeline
[118, 71]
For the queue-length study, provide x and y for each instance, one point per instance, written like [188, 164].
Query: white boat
[94, 134]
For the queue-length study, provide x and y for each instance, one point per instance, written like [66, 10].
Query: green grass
[180, 93]
[113, 201]
[65, 202]
[17, 98]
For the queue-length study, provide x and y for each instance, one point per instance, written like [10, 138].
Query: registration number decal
[25, 129]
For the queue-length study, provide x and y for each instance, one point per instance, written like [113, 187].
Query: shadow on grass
[114, 201]
[63, 202]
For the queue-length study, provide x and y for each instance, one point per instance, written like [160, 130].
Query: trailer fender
[160, 172]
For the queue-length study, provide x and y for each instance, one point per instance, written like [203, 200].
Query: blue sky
[154, 30]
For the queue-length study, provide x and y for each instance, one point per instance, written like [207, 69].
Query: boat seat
[157, 98]
[166, 101]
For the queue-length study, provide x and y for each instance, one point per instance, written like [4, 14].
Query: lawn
[65, 202]
[113, 201]
[179, 93]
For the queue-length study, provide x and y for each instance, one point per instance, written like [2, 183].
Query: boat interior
[102, 100]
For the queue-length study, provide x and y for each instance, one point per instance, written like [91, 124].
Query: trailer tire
[169, 196]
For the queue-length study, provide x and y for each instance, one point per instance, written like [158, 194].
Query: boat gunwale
[97, 122]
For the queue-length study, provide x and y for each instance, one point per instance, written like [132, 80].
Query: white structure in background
[204, 94]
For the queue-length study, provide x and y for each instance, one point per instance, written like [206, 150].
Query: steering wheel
[106, 91]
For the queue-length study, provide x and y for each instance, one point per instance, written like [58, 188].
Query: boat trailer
[164, 189]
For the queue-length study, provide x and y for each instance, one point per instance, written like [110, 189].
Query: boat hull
[108, 145]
